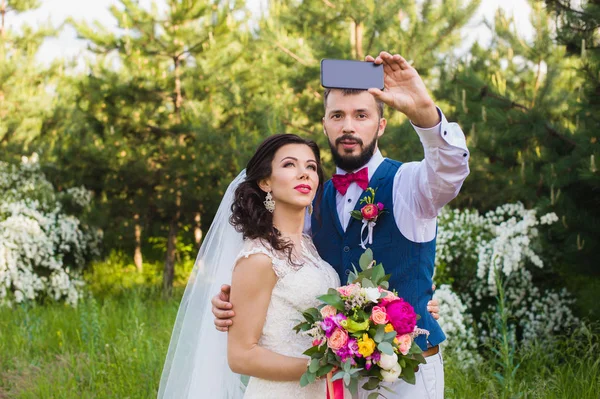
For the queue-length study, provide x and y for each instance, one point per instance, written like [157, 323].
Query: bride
[275, 273]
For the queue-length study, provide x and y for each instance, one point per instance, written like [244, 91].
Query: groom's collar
[373, 164]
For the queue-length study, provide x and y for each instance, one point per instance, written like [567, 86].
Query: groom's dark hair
[248, 213]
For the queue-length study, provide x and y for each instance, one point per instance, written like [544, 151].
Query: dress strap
[280, 265]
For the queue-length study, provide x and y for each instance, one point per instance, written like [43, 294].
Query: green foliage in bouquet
[372, 274]
[348, 342]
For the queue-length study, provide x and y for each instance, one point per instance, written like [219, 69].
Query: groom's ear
[382, 125]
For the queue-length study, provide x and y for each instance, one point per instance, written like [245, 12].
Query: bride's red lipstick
[303, 188]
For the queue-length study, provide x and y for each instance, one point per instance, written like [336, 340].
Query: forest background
[112, 167]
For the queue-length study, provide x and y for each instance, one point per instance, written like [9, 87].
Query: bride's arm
[253, 280]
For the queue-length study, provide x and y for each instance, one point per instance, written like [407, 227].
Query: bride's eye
[313, 167]
[285, 165]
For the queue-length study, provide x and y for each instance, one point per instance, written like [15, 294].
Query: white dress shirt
[422, 188]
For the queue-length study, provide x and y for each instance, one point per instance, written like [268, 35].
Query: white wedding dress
[296, 290]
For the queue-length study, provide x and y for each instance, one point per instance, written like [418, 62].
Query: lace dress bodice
[296, 290]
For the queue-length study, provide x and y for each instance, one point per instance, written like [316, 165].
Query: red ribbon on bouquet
[335, 389]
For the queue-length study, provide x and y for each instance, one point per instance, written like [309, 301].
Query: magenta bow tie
[342, 182]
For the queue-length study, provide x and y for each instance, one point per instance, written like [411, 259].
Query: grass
[567, 367]
[112, 348]
[114, 343]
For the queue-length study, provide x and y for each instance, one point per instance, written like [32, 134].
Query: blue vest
[410, 264]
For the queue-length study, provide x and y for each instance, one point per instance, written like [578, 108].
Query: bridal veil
[196, 364]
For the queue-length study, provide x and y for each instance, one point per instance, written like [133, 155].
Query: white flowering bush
[42, 248]
[472, 251]
[457, 323]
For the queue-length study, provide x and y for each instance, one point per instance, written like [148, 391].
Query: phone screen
[348, 74]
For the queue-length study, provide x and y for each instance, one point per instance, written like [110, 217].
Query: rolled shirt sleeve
[422, 188]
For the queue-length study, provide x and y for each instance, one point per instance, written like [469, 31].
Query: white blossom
[386, 362]
[371, 294]
[502, 243]
[36, 236]
[456, 322]
[392, 374]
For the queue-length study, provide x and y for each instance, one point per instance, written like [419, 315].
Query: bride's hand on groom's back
[221, 308]
[433, 306]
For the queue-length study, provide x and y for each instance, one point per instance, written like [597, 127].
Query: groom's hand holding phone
[222, 308]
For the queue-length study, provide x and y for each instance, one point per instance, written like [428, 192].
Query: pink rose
[353, 289]
[380, 206]
[402, 316]
[370, 211]
[328, 310]
[338, 339]
[348, 290]
[378, 315]
[404, 343]
[317, 342]
[388, 298]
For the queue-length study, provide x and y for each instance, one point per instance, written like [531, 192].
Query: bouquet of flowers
[361, 331]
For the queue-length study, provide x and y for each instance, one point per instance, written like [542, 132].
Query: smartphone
[349, 74]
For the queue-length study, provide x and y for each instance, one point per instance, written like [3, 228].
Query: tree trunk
[177, 98]
[169, 271]
[353, 39]
[197, 230]
[356, 40]
[137, 256]
[359, 28]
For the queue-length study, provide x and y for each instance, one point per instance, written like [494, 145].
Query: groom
[404, 238]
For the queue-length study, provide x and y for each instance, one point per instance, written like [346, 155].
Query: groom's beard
[350, 163]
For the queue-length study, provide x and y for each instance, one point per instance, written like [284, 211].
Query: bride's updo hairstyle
[248, 213]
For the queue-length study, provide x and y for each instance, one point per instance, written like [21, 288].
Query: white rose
[372, 294]
[391, 375]
[387, 362]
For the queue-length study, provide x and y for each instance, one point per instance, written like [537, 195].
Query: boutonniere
[368, 214]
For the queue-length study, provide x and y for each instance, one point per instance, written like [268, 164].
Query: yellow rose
[366, 346]
[389, 328]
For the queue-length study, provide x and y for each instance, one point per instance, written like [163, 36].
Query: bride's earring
[310, 209]
[269, 203]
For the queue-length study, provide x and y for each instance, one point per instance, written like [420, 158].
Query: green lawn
[115, 347]
[109, 349]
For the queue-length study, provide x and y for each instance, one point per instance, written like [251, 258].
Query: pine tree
[154, 105]
[299, 34]
[577, 30]
[25, 84]
[529, 119]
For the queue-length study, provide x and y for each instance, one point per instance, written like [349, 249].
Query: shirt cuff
[443, 134]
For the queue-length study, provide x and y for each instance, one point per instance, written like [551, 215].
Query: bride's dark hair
[248, 213]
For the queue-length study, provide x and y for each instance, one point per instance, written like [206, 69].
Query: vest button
[347, 272]
[346, 249]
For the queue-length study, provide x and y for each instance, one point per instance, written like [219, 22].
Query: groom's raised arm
[423, 187]
[430, 184]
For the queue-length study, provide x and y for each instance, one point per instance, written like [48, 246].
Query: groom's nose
[348, 126]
